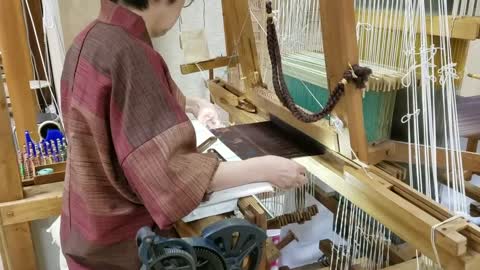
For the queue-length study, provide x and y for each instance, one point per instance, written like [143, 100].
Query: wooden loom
[375, 196]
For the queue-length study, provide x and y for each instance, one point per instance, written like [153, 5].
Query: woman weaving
[133, 159]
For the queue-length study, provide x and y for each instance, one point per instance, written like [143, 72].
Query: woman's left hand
[204, 111]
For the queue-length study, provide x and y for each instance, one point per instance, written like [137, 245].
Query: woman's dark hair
[137, 4]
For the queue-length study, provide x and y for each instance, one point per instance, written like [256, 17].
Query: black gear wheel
[174, 259]
[237, 239]
[208, 260]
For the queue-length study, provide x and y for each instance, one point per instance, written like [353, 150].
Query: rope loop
[448, 72]
[357, 75]
[406, 118]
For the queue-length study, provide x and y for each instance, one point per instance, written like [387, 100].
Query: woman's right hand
[281, 172]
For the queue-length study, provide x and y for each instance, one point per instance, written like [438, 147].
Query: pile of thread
[38, 154]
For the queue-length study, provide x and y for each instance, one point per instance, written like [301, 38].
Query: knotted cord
[355, 74]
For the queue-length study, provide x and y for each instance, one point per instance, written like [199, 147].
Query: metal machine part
[219, 156]
[208, 259]
[206, 144]
[237, 239]
[159, 253]
[225, 245]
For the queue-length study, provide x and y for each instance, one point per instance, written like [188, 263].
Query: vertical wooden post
[240, 40]
[255, 214]
[472, 144]
[18, 67]
[340, 48]
[36, 9]
[16, 246]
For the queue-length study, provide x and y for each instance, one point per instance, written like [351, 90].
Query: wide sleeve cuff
[169, 175]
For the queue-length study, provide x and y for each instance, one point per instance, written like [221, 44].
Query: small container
[45, 171]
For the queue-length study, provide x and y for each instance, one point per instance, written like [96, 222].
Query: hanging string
[54, 101]
[422, 96]
[358, 239]
[406, 118]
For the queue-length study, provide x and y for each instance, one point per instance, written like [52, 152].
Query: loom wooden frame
[340, 49]
[21, 205]
[16, 244]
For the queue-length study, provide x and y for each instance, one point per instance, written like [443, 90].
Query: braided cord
[356, 74]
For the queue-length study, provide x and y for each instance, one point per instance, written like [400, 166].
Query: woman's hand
[204, 111]
[280, 172]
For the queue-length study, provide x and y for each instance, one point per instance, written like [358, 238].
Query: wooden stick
[229, 101]
[18, 67]
[208, 64]
[16, 242]
[250, 204]
[290, 237]
[399, 153]
[240, 40]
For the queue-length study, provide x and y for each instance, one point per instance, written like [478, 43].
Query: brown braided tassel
[356, 74]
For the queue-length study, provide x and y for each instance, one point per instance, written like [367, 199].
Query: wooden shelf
[40, 202]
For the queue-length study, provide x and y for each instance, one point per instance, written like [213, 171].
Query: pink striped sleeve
[154, 140]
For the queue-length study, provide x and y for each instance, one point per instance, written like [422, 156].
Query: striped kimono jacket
[132, 150]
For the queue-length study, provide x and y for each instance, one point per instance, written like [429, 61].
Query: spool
[48, 122]
[47, 125]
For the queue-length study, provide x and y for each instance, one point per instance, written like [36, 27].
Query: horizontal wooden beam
[268, 104]
[467, 28]
[229, 101]
[399, 153]
[472, 191]
[218, 62]
[320, 131]
[40, 202]
[375, 195]
[424, 203]
[56, 167]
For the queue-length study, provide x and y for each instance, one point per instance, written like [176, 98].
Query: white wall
[47, 252]
[169, 45]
